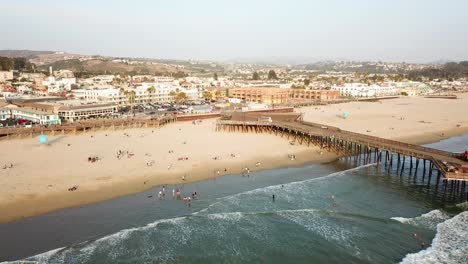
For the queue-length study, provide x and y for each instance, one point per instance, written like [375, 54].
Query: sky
[287, 31]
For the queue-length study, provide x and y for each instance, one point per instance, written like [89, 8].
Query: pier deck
[350, 143]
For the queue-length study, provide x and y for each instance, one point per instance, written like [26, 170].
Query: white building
[103, 94]
[72, 111]
[162, 92]
[64, 74]
[414, 88]
[365, 90]
[35, 116]
[58, 85]
[24, 89]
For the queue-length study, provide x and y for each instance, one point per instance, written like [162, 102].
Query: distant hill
[22, 53]
[105, 66]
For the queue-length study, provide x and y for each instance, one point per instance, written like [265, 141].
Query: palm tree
[130, 97]
[151, 91]
[181, 97]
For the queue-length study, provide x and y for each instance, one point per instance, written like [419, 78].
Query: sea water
[331, 213]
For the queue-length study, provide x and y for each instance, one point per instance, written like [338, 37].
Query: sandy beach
[42, 174]
[415, 120]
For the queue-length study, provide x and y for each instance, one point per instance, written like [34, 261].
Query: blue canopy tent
[43, 139]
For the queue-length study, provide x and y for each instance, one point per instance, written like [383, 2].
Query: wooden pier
[448, 167]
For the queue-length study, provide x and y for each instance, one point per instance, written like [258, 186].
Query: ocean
[328, 213]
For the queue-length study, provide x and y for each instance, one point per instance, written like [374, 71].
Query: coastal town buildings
[365, 90]
[72, 111]
[264, 95]
[55, 85]
[269, 95]
[35, 116]
[102, 94]
[306, 94]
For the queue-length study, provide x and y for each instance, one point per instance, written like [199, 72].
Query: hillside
[22, 53]
[103, 66]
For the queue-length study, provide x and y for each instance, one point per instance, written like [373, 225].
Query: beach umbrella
[345, 115]
[43, 139]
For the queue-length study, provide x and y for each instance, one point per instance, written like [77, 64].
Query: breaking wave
[179, 230]
[450, 245]
[429, 220]
[287, 192]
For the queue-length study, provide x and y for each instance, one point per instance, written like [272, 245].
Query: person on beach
[173, 193]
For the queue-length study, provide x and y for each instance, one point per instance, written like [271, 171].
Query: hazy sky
[293, 30]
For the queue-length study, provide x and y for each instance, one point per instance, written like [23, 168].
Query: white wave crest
[235, 216]
[41, 258]
[291, 186]
[463, 206]
[111, 241]
[428, 220]
[315, 222]
[450, 245]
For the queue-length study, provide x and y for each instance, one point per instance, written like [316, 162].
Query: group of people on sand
[246, 172]
[122, 153]
[8, 166]
[177, 195]
[93, 159]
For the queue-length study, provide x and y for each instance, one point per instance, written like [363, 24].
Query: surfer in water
[421, 242]
[273, 198]
[333, 201]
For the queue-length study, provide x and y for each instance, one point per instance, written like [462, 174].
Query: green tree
[306, 82]
[151, 91]
[255, 76]
[181, 97]
[207, 95]
[272, 75]
[179, 74]
[130, 97]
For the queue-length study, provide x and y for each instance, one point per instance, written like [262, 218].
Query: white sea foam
[463, 206]
[114, 244]
[235, 216]
[450, 245]
[41, 258]
[315, 222]
[231, 201]
[113, 241]
[428, 220]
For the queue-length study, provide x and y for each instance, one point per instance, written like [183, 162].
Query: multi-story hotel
[269, 95]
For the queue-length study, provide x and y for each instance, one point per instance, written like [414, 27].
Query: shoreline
[39, 205]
